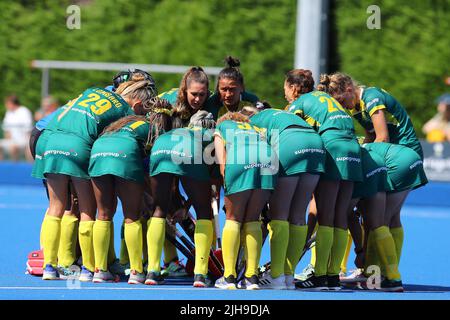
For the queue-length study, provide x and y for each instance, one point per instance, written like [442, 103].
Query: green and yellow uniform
[404, 166]
[298, 147]
[170, 95]
[249, 162]
[75, 129]
[180, 152]
[400, 127]
[335, 126]
[218, 109]
[120, 153]
[374, 175]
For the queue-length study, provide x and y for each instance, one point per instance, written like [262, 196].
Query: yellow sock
[371, 252]
[203, 239]
[214, 239]
[279, 241]
[231, 236]
[170, 252]
[68, 240]
[123, 255]
[112, 249]
[324, 244]
[347, 253]
[133, 239]
[156, 233]
[41, 235]
[252, 247]
[144, 240]
[101, 237]
[297, 240]
[386, 251]
[313, 249]
[51, 231]
[337, 250]
[85, 236]
[398, 235]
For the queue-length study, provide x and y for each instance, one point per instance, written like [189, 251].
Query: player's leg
[51, 229]
[235, 205]
[130, 194]
[199, 193]
[88, 207]
[161, 185]
[298, 229]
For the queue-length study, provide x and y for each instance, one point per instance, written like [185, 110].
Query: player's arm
[221, 156]
[380, 126]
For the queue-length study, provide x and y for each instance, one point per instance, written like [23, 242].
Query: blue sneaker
[72, 272]
[86, 275]
[50, 273]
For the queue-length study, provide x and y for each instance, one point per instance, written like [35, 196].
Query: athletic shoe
[307, 273]
[333, 283]
[251, 283]
[117, 268]
[154, 278]
[50, 273]
[136, 277]
[357, 275]
[391, 285]
[267, 282]
[314, 283]
[86, 275]
[101, 276]
[290, 282]
[72, 272]
[226, 283]
[174, 269]
[201, 281]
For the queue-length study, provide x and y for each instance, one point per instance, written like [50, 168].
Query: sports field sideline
[424, 263]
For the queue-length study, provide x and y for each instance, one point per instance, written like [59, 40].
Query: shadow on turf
[425, 288]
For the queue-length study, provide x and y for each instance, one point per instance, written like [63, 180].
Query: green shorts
[299, 151]
[374, 175]
[405, 166]
[38, 165]
[167, 160]
[117, 155]
[64, 153]
[242, 177]
[343, 159]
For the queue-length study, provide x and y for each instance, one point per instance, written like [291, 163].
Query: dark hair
[335, 84]
[13, 99]
[301, 78]
[194, 74]
[231, 71]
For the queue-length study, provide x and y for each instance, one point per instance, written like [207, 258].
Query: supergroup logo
[71, 152]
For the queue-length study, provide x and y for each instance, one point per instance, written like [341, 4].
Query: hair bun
[232, 62]
[325, 79]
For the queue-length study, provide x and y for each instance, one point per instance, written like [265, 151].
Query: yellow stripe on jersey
[137, 124]
[310, 120]
[376, 108]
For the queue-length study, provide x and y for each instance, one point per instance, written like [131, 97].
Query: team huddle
[292, 174]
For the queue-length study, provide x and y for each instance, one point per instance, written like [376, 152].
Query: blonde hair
[137, 88]
[335, 84]
[233, 116]
[249, 111]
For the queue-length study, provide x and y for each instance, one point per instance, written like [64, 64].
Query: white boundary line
[101, 288]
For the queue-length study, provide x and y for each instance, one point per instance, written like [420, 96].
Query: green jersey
[322, 112]
[401, 129]
[170, 95]
[183, 152]
[136, 130]
[90, 113]
[218, 109]
[275, 119]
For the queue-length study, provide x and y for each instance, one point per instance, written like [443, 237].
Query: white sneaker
[306, 273]
[289, 279]
[136, 277]
[101, 276]
[267, 282]
[356, 275]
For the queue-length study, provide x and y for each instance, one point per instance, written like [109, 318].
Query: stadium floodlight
[46, 65]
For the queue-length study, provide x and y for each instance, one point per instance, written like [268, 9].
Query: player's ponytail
[137, 88]
[231, 71]
[233, 116]
[335, 84]
[302, 79]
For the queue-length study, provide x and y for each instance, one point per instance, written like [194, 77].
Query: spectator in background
[17, 126]
[48, 105]
[437, 129]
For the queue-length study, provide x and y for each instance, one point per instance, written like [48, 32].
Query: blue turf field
[424, 264]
